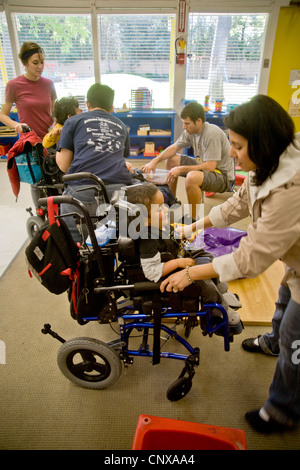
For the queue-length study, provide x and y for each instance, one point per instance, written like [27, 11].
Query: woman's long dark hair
[269, 130]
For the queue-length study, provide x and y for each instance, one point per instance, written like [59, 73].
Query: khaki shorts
[213, 181]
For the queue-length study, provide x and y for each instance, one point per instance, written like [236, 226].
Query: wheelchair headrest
[119, 199]
[129, 217]
[132, 210]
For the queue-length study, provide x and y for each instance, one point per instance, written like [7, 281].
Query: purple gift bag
[218, 241]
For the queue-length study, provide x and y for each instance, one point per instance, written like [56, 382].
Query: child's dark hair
[194, 111]
[100, 96]
[142, 194]
[269, 130]
[65, 107]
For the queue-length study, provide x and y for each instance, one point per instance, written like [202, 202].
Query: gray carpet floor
[41, 409]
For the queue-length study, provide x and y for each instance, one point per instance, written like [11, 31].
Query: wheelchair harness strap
[156, 330]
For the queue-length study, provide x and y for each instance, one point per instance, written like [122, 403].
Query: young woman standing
[33, 95]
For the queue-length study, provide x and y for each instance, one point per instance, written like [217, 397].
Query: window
[137, 51]
[224, 57]
[67, 42]
[6, 57]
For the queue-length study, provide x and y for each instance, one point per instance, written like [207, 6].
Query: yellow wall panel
[286, 57]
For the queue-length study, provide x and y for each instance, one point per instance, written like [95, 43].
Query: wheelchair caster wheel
[179, 389]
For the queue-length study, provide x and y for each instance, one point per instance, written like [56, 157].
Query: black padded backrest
[128, 250]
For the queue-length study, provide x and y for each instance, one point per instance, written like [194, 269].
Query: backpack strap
[52, 211]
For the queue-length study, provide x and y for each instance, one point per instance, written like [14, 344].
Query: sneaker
[233, 317]
[260, 425]
[250, 346]
[234, 329]
[232, 299]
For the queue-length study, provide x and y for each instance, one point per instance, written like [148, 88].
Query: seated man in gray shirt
[211, 168]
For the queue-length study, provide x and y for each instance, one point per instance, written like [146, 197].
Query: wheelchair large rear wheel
[33, 225]
[89, 363]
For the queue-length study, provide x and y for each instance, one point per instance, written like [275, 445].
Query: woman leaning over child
[264, 144]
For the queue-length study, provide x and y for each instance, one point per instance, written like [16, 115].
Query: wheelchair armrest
[146, 286]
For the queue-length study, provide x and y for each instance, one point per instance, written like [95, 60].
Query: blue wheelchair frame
[129, 321]
[138, 321]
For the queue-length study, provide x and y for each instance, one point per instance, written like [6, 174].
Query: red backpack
[52, 255]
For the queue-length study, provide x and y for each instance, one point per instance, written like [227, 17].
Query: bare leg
[171, 163]
[193, 183]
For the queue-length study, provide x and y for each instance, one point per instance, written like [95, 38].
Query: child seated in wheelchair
[155, 239]
[63, 109]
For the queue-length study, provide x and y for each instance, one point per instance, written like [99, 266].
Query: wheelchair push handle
[137, 286]
[75, 202]
[59, 200]
[86, 175]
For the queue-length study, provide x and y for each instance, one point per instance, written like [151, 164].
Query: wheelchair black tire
[179, 388]
[89, 363]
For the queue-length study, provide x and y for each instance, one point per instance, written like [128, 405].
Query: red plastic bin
[154, 433]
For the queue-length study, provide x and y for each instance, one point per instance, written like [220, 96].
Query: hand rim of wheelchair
[89, 363]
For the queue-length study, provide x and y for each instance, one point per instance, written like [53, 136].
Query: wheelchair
[114, 291]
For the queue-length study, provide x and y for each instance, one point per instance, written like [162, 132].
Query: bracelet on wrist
[187, 275]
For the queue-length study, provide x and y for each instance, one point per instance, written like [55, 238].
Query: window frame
[216, 6]
[114, 12]
[242, 95]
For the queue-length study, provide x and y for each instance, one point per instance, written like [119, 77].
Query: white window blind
[138, 51]
[6, 57]
[67, 42]
[224, 57]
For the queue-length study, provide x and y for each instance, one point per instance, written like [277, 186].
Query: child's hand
[56, 131]
[184, 262]
[129, 167]
[185, 231]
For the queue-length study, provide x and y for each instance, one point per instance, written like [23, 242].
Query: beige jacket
[274, 232]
